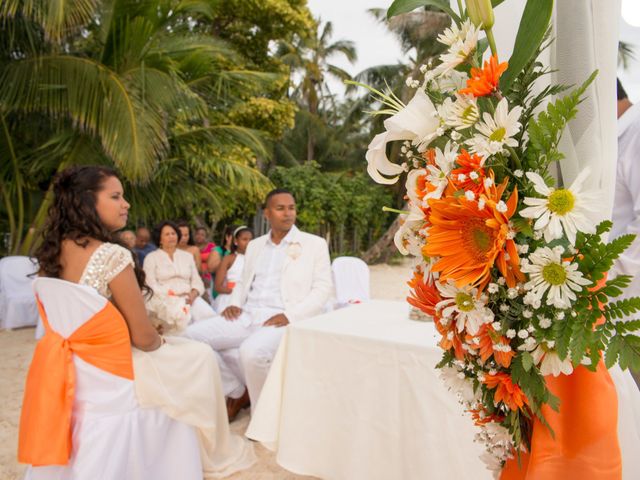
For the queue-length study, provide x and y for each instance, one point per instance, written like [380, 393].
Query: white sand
[16, 348]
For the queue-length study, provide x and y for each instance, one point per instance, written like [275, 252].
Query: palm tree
[125, 82]
[310, 57]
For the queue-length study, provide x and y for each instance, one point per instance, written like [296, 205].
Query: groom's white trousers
[257, 346]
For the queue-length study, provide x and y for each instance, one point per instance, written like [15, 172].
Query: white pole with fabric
[586, 39]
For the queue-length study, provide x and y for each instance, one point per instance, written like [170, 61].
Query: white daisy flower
[462, 43]
[463, 113]
[570, 209]
[550, 363]
[469, 311]
[548, 273]
[436, 175]
[496, 131]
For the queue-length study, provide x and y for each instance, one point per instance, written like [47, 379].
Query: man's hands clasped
[232, 313]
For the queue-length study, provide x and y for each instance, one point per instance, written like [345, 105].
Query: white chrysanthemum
[462, 43]
[470, 312]
[571, 209]
[437, 175]
[496, 131]
[550, 363]
[457, 33]
[408, 241]
[457, 382]
[463, 113]
[450, 82]
[549, 273]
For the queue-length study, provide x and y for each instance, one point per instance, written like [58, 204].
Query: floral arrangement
[510, 266]
[169, 312]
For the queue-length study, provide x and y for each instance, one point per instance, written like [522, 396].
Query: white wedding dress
[181, 378]
[234, 274]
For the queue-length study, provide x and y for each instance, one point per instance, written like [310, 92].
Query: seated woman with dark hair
[171, 271]
[100, 333]
[187, 244]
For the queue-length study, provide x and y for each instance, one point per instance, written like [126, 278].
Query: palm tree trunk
[31, 240]
[311, 145]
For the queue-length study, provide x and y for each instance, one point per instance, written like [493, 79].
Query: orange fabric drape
[45, 421]
[585, 446]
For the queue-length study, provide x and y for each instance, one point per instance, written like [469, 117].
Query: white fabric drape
[586, 39]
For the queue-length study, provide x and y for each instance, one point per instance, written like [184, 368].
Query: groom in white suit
[286, 278]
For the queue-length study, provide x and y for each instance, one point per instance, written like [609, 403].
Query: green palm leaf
[96, 100]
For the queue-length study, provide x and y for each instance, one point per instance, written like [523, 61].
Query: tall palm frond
[58, 18]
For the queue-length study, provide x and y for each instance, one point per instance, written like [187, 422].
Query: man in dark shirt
[143, 244]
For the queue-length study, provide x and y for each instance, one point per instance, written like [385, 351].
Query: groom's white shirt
[292, 277]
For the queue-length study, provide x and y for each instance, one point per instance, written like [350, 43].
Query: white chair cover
[17, 303]
[351, 280]
[113, 438]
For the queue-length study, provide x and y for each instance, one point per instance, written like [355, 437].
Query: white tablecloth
[354, 395]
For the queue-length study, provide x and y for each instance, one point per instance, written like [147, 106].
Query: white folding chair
[17, 303]
[112, 437]
[351, 279]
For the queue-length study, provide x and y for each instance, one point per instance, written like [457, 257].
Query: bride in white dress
[176, 375]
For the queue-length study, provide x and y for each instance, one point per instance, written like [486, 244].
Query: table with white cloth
[354, 394]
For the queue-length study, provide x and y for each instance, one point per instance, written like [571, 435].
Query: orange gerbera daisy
[424, 296]
[488, 339]
[469, 175]
[470, 238]
[484, 81]
[506, 391]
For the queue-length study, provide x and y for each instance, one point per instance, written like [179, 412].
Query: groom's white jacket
[306, 284]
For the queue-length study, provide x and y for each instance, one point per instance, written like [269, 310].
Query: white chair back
[68, 306]
[351, 279]
[17, 303]
[113, 437]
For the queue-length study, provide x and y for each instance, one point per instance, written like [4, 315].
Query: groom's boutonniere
[294, 250]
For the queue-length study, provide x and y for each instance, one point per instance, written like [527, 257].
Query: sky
[376, 46]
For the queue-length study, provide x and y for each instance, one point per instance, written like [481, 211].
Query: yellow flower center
[498, 135]
[470, 115]
[464, 302]
[561, 201]
[554, 274]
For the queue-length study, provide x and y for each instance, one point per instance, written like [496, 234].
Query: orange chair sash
[45, 421]
[585, 446]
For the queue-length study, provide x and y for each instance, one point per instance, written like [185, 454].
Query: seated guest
[143, 244]
[218, 253]
[205, 247]
[171, 271]
[187, 244]
[286, 278]
[230, 268]
[128, 238]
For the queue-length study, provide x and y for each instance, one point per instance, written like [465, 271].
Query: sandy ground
[16, 348]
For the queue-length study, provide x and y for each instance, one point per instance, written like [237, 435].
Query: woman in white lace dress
[178, 376]
[230, 269]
